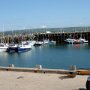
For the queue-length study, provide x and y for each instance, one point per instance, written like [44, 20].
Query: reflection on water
[3, 55]
[59, 56]
[78, 46]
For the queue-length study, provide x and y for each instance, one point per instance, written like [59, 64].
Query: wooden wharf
[59, 37]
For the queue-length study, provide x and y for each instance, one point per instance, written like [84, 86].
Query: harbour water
[55, 57]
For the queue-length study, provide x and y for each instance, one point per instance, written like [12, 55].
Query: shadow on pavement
[82, 89]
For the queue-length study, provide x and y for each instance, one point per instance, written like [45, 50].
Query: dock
[59, 37]
[55, 34]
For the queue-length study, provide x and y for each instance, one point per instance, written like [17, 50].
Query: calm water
[61, 56]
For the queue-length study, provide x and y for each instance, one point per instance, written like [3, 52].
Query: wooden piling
[59, 37]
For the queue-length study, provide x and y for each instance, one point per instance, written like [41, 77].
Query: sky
[25, 14]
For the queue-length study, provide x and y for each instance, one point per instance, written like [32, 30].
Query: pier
[59, 37]
[56, 34]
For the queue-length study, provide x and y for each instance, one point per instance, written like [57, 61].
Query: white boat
[12, 48]
[83, 40]
[24, 47]
[52, 42]
[32, 42]
[45, 42]
[3, 47]
[76, 41]
[70, 41]
[38, 43]
[48, 42]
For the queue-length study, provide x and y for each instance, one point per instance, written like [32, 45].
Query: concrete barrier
[36, 70]
[55, 71]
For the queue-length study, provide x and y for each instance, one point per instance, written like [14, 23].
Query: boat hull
[3, 49]
[12, 49]
[38, 43]
[23, 49]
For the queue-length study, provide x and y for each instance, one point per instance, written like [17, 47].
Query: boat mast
[3, 35]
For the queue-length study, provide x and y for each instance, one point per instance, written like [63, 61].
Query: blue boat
[24, 47]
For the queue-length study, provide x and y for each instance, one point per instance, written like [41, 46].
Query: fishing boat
[49, 42]
[76, 41]
[83, 40]
[38, 43]
[45, 42]
[69, 40]
[52, 42]
[12, 48]
[32, 42]
[24, 47]
[3, 47]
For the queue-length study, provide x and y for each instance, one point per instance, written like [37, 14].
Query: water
[56, 56]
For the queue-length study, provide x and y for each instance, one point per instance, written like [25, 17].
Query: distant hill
[39, 30]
